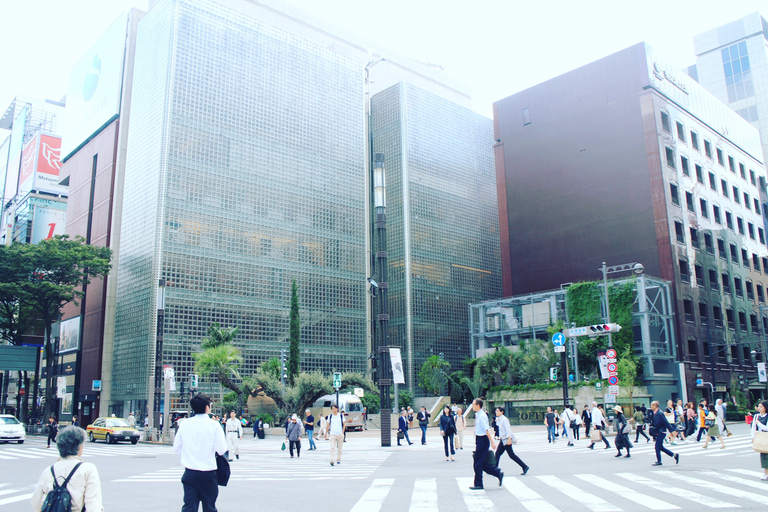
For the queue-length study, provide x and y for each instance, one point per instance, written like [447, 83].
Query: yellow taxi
[112, 430]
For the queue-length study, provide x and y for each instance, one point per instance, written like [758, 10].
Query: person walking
[234, 434]
[323, 427]
[713, 429]
[622, 432]
[586, 417]
[568, 419]
[53, 429]
[402, 428]
[410, 417]
[461, 424]
[760, 424]
[506, 440]
[365, 419]
[549, 422]
[720, 412]
[81, 479]
[447, 430]
[293, 436]
[702, 416]
[659, 428]
[131, 420]
[423, 418]
[598, 423]
[690, 421]
[483, 440]
[199, 440]
[336, 427]
[639, 419]
[309, 429]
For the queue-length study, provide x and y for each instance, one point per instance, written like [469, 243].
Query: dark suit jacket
[403, 424]
[661, 423]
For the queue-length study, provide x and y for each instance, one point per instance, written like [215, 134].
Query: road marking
[747, 472]
[374, 496]
[630, 494]
[476, 501]
[8, 491]
[21, 497]
[735, 479]
[21, 453]
[424, 498]
[715, 487]
[588, 500]
[529, 498]
[678, 491]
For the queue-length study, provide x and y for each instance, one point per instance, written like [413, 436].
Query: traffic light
[604, 328]
[553, 373]
[193, 381]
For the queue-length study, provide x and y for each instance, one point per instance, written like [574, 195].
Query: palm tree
[220, 359]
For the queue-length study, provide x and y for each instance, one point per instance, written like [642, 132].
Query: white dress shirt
[505, 431]
[197, 440]
[597, 417]
[481, 423]
[85, 486]
[234, 425]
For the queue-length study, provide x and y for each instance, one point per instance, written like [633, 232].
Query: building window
[708, 149]
[757, 206]
[703, 313]
[724, 187]
[674, 193]
[761, 235]
[685, 276]
[745, 258]
[694, 140]
[742, 321]
[708, 245]
[742, 171]
[680, 131]
[679, 233]
[712, 181]
[752, 177]
[747, 203]
[749, 113]
[737, 287]
[765, 265]
[759, 290]
[756, 262]
[665, 125]
[738, 75]
[670, 157]
[721, 249]
[699, 174]
[717, 316]
[693, 348]
[736, 196]
[699, 271]
[720, 158]
[729, 318]
[713, 282]
[688, 308]
[753, 324]
[740, 225]
[704, 209]
[684, 166]
[734, 254]
[731, 164]
[526, 116]
[751, 230]
[729, 220]
[694, 238]
[689, 202]
[726, 280]
[750, 290]
[716, 213]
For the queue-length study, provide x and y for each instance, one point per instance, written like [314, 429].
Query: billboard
[47, 223]
[69, 335]
[28, 164]
[95, 85]
[40, 166]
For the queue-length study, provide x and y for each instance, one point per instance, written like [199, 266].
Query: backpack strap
[66, 481]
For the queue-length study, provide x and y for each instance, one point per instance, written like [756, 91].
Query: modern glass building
[244, 172]
[442, 221]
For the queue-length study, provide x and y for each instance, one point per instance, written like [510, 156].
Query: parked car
[11, 429]
[112, 430]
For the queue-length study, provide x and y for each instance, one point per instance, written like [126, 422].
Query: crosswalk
[656, 490]
[277, 466]
[17, 452]
[10, 495]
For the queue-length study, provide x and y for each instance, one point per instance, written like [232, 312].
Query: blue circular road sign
[558, 339]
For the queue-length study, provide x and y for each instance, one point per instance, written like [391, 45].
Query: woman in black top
[622, 432]
[447, 430]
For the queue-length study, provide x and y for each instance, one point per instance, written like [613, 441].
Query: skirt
[764, 460]
[622, 441]
[714, 431]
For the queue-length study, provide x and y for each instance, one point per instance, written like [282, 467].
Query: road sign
[337, 380]
[96, 385]
[559, 348]
[558, 339]
[609, 399]
[613, 390]
[598, 386]
[610, 353]
[612, 367]
[613, 380]
[699, 382]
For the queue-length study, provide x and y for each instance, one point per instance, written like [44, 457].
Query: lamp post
[382, 309]
[635, 267]
[153, 405]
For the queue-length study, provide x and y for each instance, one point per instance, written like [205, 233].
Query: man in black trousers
[483, 440]
[660, 426]
[198, 441]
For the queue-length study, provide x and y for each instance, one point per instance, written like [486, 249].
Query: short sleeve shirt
[481, 423]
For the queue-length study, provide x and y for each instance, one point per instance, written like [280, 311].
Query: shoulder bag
[222, 470]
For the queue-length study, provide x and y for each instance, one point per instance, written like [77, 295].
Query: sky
[497, 47]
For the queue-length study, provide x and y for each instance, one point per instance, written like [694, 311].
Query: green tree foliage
[16, 316]
[404, 399]
[628, 371]
[221, 360]
[296, 398]
[495, 367]
[271, 367]
[434, 374]
[295, 336]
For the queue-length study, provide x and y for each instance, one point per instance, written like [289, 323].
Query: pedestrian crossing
[17, 452]
[9, 495]
[355, 465]
[656, 490]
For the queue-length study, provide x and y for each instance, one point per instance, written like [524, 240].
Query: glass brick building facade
[442, 221]
[245, 171]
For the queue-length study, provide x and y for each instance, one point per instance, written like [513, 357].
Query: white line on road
[589, 500]
[747, 472]
[20, 453]
[738, 493]
[374, 496]
[630, 494]
[707, 501]
[735, 479]
[476, 501]
[21, 497]
[424, 498]
[529, 498]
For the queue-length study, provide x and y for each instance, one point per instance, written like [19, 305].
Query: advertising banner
[48, 166]
[28, 165]
[398, 375]
[48, 222]
[61, 387]
[761, 375]
[69, 335]
[602, 361]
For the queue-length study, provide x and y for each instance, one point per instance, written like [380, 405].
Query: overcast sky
[497, 47]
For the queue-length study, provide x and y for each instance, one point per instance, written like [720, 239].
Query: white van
[350, 404]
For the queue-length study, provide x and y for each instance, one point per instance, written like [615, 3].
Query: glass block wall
[245, 171]
[442, 221]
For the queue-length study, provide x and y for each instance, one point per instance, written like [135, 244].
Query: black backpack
[59, 499]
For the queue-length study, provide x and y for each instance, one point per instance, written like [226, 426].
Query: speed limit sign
[610, 353]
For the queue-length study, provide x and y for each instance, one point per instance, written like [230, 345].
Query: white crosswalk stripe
[15, 499]
[591, 501]
[476, 501]
[710, 486]
[697, 497]
[424, 497]
[89, 450]
[374, 496]
[630, 494]
[529, 498]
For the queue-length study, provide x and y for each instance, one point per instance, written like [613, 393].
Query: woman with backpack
[69, 480]
[447, 430]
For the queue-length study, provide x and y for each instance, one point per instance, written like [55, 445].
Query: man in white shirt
[598, 423]
[198, 441]
[720, 412]
[506, 439]
[483, 441]
[132, 420]
[567, 417]
[336, 427]
[234, 434]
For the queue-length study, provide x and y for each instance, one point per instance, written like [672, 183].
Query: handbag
[222, 470]
[574, 425]
[400, 435]
[595, 435]
[283, 447]
[709, 423]
[760, 442]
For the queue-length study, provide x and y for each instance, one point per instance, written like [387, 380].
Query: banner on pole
[398, 375]
[761, 375]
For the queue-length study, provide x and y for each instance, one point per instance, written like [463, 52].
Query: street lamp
[635, 267]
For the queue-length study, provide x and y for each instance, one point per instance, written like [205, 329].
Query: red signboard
[48, 161]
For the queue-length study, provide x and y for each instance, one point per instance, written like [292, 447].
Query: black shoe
[591, 447]
[475, 488]
[525, 470]
[677, 458]
[656, 464]
[338, 462]
[237, 457]
[501, 478]
[409, 444]
[608, 447]
[331, 463]
[618, 455]
[398, 444]
[230, 460]
[626, 456]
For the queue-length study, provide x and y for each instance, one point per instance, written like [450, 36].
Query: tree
[61, 267]
[16, 315]
[295, 336]
[494, 367]
[434, 374]
[474, 385]
[296, 398]
[271, 367]
[219, 358]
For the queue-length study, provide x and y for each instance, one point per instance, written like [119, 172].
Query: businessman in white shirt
[198, 441]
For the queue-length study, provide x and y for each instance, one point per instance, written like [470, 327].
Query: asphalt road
[416, 478]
